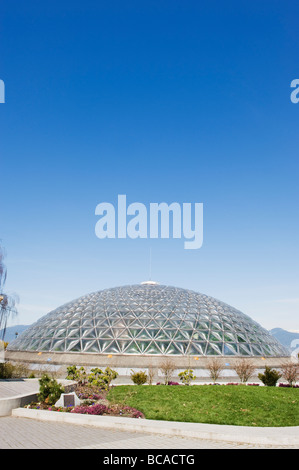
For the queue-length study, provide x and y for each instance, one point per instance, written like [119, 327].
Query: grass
[224, 404]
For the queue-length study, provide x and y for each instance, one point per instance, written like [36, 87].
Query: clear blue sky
[161, 101]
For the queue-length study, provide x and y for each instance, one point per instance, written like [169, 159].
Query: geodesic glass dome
[148, 319]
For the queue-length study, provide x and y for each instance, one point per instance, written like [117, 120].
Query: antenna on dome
[150, 265]
[150, 282]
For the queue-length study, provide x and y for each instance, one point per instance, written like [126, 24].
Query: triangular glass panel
[200, 347]
[87, 323]
[152, 349]
[60, 333]
[73, 345]
[198, 335]
[31, 344]
[112, 348]
[256, 350]
[123, 344]
[133, 348]
[90, 345]
[230, 348]
[192, 350]
[143, 345]
[58, 345]
[143, 334]
[241, 338]
[215, 336]
[45, 345]
[103, 322]
[211, 351]
[104, 344]
[89, 333]
[244, 350]
[182, 346]
[153, 332]
[161, 335]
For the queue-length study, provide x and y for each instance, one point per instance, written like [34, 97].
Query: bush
[49, 390]
[290, 372]
[167, 368]
[168, 383]
[6, 370]
[79, 375]
[215, 367]
[96, 409]
[97, 377]
[102, 379]
[11, 371]
[187, 376]
[139, 378]
[244, 369]
[288, 385]
[270, 377]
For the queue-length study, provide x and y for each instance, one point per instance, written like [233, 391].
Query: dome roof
[149, 319]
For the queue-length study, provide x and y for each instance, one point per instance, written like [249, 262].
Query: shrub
[270, 377]
[168, 383]
[166, 368]
[139, 378]
[10, 371]
[187, 376]
[290, 372]
[244, 369]
[102, 379]
[96, 409]
[150, 375]
[79, 375]
[49, 390]
[131, 411]
[215, 367]
[288, 385]
[6, 370]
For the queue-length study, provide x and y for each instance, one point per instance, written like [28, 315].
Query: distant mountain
[289, 339]
[10, 332]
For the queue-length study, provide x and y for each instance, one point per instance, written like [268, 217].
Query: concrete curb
[7, 404]
[288, 436]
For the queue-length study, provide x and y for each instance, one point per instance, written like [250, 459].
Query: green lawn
[215, 404]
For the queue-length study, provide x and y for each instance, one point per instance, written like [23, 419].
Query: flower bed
[92, 403]
[94, 409]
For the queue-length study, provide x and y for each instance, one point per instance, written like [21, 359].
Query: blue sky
[161, 101]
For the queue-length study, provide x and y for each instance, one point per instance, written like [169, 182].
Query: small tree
[270, 377]
[166, 368]
[187, 376]
[49, 390]
[244, 369]
[150, 375]
[215, 367]
[290, 372]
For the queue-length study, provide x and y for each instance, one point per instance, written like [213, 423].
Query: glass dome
[148, 319]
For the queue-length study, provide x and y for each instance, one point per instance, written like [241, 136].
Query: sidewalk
[15, 393]
[280, 436]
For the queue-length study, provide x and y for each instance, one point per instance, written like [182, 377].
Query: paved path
[18, 432]
[24, 433]
[12, 388]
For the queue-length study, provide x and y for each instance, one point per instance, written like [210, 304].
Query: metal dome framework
[148, 319]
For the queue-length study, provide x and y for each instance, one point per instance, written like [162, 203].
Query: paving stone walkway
[24, 433]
